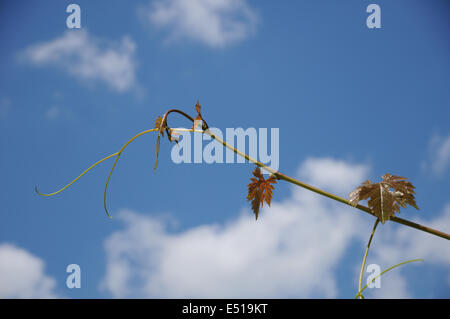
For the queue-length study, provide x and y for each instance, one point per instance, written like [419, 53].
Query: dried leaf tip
[159, 126]
[260, 190]
[198, 107]
[198, 121]
[385, 197]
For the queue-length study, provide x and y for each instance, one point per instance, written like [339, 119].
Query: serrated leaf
[260, 190]
[386, 197]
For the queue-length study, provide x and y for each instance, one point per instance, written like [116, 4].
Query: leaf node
[160, 125]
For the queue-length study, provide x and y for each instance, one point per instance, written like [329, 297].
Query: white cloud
[22, 275]
[290, 252]
[393, 286]
[439, 155]
[394, 245]
[293, 250]
[334, 175]
[86, 58]
[215, 23]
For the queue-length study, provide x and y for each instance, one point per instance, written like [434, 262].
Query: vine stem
[365, 256]
[326, 194]
[87, 170]
[115, 162]
[100, 161]
[277, 174]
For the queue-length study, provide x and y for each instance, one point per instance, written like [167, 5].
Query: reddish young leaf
[385, 197]
[260, 190]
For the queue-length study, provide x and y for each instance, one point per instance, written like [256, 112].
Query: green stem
[100, 161]
[115, 162]
[326, 194]
[390, 268]
[91, 167]
[267, 168]
[365, 256]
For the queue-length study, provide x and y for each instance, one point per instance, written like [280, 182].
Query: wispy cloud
[56, 112]
[216, 23]
[88, 58]
[22, 275]
[438, 155]
[5, 107]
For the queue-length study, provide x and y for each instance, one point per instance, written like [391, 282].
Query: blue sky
[350, 102]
